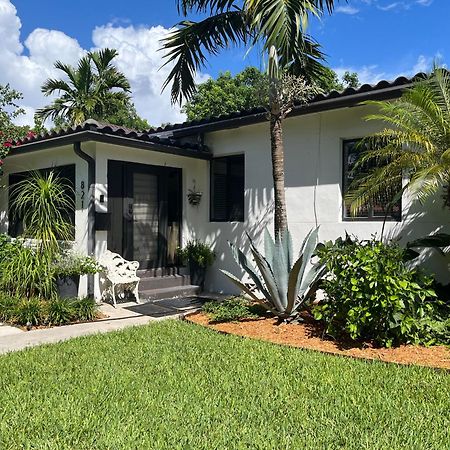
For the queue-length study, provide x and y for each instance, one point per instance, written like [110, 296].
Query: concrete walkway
[125, 315]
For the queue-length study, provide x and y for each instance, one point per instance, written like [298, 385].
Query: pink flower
[7, 144]
[1, 162]
[31, 134]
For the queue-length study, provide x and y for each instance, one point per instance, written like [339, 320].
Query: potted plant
[198, 256]
[68, 267]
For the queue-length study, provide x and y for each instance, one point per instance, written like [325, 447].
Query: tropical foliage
[42, 201]
[41, 312]
[279, 29]
[95, 89]
[248, 89]
[9, 112]
[414, 144]
[286, 285]
[371, 293]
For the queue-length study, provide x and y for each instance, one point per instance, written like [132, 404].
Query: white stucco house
[132, 188]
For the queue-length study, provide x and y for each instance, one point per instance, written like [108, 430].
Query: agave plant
[285, 285]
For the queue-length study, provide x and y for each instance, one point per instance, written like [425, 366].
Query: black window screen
[227, 189]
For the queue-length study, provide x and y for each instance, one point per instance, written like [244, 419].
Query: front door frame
[120, 188]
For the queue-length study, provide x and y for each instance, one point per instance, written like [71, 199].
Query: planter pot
[197, 274]
[67, 287]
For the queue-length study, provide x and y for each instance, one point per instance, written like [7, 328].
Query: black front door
[144, 202]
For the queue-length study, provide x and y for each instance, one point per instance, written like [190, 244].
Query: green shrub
[25, 273]
[198, 252]
[35, 311]
[60, 311]
[231, 309]
[85, 309]
[8, 307]
[30, 312]
[372, 294]
[68, 264]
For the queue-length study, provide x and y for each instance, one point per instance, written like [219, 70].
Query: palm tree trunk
[277, 150]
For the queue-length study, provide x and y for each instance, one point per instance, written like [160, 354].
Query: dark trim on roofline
[313, 107]
[89, 135]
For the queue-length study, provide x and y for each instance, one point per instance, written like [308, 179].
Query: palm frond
[187, 45]
[202, 6]
[415, 144]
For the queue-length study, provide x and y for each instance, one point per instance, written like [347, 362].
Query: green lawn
[172, 385]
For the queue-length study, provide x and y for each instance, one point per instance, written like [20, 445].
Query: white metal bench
[120, 273]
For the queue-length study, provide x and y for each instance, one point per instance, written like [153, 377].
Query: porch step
[161, 272]
[168, 281]
[169, 292]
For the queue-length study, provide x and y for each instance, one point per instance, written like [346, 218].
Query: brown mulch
[310, 335]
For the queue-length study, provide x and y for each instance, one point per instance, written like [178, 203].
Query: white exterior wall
[59, 156]
[313, 162]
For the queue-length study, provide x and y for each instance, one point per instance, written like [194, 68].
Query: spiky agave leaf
[268, 276]
[240, 284]
[242, 260]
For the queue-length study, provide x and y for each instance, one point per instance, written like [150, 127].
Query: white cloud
[347, 9]
[372, 74]
[400, 5]
[27, 64]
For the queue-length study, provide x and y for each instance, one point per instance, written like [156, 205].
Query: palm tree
[94, 89]
[279, 26]
[415, 142]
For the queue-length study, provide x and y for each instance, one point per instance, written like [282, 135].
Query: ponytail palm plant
[43, 202]
[279, 27]
[415, 145]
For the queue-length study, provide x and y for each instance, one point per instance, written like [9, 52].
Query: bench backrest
[115, 265]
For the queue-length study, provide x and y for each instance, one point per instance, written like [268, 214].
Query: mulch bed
[310, 335]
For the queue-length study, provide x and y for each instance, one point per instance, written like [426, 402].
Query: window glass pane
[377, 211]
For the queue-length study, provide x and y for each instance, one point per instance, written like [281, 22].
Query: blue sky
[377, 38]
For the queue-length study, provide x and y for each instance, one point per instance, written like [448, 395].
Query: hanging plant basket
[194, 197]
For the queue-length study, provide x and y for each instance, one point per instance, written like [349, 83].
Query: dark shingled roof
[92, 130]
[166, 138]
[383, 90]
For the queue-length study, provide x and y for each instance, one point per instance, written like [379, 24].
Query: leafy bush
[85, 309]
[287, 286]
[8, 306]
[231, 309]
[371, 294]
[68, 264]
[35, 311]
[60, 311]
[25, 273]
[198, 252]
[30, 312]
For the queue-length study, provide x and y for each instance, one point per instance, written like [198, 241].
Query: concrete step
[168, 281]
[171, 292]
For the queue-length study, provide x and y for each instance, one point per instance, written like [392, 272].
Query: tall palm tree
[415, 143]
[94, 89]
[279, 26]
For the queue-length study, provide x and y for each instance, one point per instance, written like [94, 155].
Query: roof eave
[389, 93]
[89, 135]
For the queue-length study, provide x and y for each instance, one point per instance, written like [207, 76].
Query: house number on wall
[82, 194]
